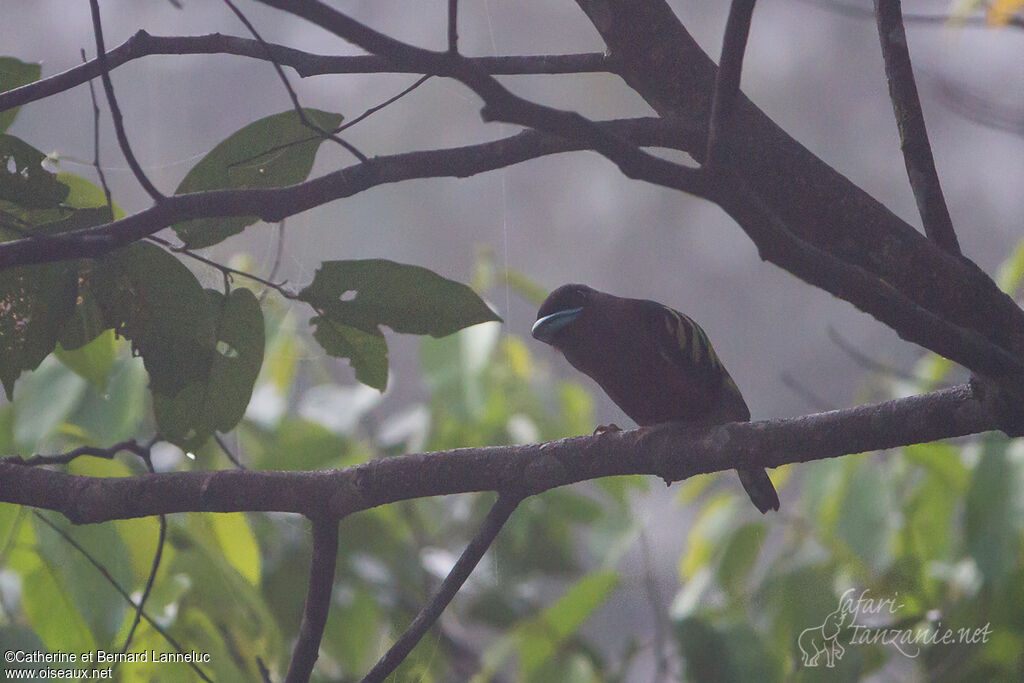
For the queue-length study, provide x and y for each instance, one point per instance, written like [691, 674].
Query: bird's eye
[577, 298]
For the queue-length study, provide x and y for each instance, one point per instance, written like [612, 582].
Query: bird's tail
[759, 488]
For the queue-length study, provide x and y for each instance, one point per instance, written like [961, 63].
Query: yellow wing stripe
[691, 339]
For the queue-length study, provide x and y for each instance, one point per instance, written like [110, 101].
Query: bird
[654, 362]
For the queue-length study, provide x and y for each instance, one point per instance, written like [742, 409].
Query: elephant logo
[824, 640]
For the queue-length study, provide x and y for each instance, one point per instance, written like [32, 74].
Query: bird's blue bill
[547, 327]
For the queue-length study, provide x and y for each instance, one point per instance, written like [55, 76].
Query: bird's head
[560, 311]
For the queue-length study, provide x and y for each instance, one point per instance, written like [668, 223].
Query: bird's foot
[603, 429]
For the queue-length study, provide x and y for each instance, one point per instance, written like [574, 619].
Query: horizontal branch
[276, 204]
[142, 44]
[670, 451]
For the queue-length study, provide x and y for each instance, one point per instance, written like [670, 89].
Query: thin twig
[318, 600]
[115, 110]
[264, 671]
[226, 270]
[116, 586]
[866, 361]
[278, 253]
[307, 64]
[227, 451]
[291, 91]
[391, 100]
[345, 126]
[812, 399]
[495, 520]
[980, 109]
[161, 538]
[727, 80]
[453, 26]
[917, 150]
[273, 204]
[96, 143]
[500, 104]
[131, 445]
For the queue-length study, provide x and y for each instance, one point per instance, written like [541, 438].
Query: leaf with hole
[35, 304]
[368, 353]
[369, 293]
[273, 152]
[23, 180]
[217, 400]
[150, 297]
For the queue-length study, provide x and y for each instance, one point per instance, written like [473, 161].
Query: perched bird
[654, 362]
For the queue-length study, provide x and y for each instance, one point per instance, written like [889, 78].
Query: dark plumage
[654, 362]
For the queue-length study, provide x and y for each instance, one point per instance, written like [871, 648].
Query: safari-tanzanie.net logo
[861, 619]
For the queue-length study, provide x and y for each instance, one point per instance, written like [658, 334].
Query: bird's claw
[603, 429]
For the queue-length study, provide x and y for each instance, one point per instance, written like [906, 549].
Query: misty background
[571, 217]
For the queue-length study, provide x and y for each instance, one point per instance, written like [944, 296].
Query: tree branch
[670, 451]
[306, 64]
[115, 110]
[777, 180]
[499, 103]
[467, 562]
[727, 79]
[318, 600]
[917, 150]
[292, 95]
[275, 204]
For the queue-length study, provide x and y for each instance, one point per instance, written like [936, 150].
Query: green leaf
[150, 297]
[85, 194]
[239, 544]
[217, 401]
[44, 402]
[50, 610]
[990, 517]
[92, 361]
[36, 302]
[739, 555]
[23, 180]
[369, 293]
[865, 521]
[703, 541]
[15, 73]
[368, 353]
[540, 638]
[732, 653]
[353, 631]
[116, 412]
[355, 298]
[273, 152]
[98, 602]
[943, 461]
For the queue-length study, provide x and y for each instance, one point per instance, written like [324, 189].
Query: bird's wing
[684, 344]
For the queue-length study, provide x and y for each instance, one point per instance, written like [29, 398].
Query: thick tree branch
[275, 204]
[318, 600]
[670, 451]
[658, 58]
[306, 64]
[467, 562]
[917, 150]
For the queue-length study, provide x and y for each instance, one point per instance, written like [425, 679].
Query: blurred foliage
[914, 544]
